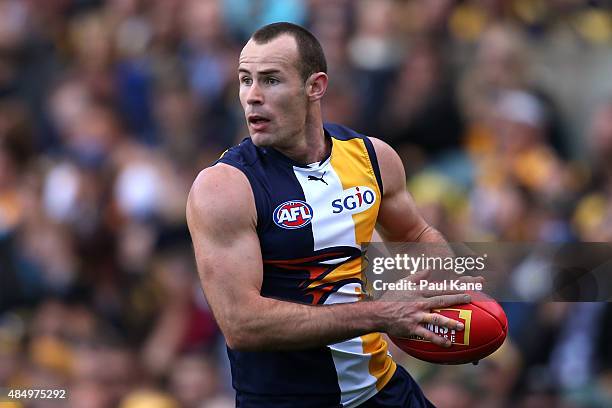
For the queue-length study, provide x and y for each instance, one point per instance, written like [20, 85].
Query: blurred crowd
[500, 109]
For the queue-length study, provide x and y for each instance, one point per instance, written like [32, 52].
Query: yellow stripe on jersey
[351, 162]
[381, 365]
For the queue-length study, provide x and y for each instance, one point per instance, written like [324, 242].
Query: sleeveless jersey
[311, 220]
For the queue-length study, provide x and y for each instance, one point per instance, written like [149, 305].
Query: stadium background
[501, 110]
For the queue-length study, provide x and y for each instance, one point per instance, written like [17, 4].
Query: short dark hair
[310, 52]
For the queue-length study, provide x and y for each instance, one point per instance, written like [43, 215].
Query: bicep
[398, 218]
[222, 225]
[229, 268]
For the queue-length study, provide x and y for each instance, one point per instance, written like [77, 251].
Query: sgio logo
[292, 214]
[354, 200]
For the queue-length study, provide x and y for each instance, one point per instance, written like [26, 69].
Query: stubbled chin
[261, 139]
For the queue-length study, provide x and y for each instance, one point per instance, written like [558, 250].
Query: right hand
[406, 312]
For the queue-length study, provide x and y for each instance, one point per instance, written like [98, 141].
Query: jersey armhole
[374, 161]
[259, 205]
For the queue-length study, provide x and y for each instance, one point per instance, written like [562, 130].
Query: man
[276, 226]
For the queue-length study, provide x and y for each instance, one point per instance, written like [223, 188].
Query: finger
[442, 321]
[431, 337]
[429, 293]
[438, 302]
[423, 274]
[417, 276]
[472, 279]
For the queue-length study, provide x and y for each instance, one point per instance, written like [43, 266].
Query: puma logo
[319, 178]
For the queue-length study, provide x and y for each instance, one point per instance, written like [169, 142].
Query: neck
[312, 146]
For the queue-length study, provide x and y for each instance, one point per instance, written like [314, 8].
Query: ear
[316, 85]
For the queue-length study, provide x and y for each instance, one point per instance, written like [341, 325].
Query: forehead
[279, 53]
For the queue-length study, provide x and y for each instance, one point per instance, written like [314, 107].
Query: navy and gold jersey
[311, 220]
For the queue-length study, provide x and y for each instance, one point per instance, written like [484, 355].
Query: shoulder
[386, 163]
[220, 197]
[380, 148]
[390, 165]
[221, 178]
[244, 154]
[342, 132]
[383, 150]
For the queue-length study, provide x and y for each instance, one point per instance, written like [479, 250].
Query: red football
[486, 327]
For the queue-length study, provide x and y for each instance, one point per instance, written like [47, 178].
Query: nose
[254, 95]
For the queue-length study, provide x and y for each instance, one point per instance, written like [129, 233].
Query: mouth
[257, 119]
[257, 122]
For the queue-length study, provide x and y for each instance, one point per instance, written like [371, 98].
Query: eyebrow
[264, 72]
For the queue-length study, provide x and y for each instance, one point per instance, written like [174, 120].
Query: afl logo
[292, 214]
[354, 200]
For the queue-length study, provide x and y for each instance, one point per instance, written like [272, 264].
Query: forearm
[431, 235]
[271, 324]
[439, 245]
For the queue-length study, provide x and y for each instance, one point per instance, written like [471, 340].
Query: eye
[272, 81]
[245, 80]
